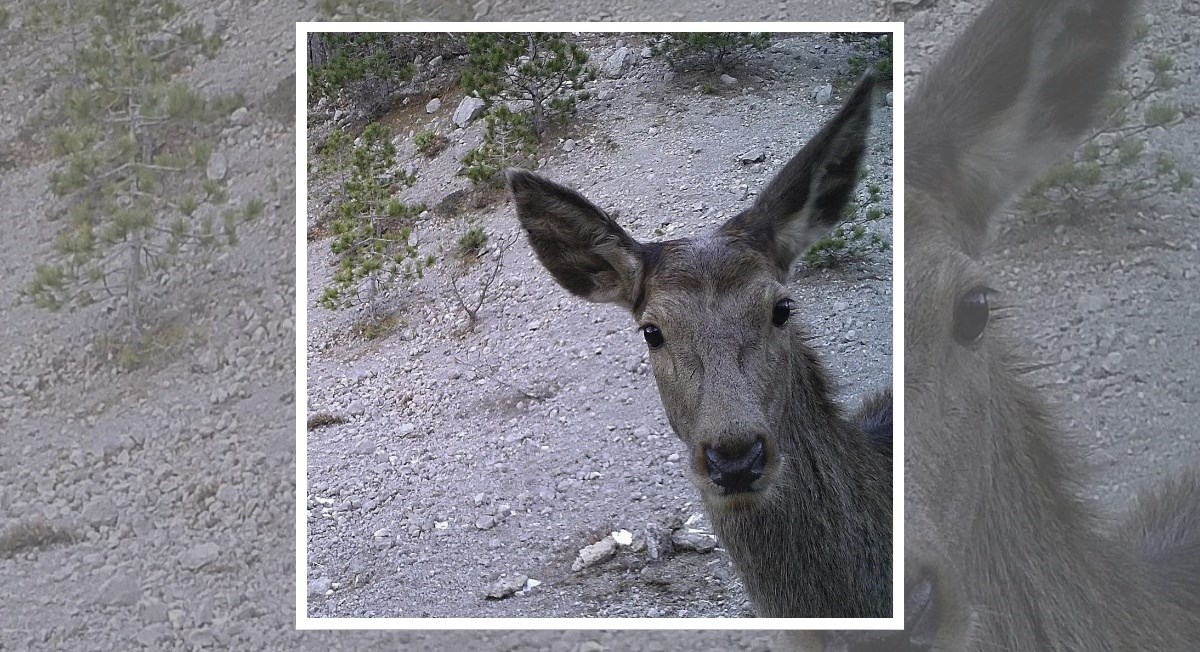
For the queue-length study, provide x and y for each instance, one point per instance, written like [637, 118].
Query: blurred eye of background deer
[971, 314]
[781, 312]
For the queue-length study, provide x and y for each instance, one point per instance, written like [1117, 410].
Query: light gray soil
[503, 451]
[176, 481]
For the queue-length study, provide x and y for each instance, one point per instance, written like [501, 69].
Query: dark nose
[735, 470]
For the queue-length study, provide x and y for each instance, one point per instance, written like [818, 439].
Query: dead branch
[473, 313]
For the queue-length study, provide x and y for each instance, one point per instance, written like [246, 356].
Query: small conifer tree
[545, 69]
[508, 141]
[371, 228]
[715, 51]
[135, 170]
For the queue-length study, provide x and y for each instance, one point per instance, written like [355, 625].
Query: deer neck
[1085, 591]
[810, 547]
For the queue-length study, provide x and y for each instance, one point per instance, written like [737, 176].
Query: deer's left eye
[971, 315]
[783, 310]
[654, 337]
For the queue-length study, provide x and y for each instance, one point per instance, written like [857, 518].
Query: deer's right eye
[654, 337]
[971, 314]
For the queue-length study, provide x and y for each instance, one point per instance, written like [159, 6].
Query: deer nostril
[920, 623]
[736, 471]
[921, 610]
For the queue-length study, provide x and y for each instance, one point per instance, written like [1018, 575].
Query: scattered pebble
[597, 553]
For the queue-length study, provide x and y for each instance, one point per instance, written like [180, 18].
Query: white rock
[823, 93]
[319, 586]
[597, 553]
[199, 555]
[468, 109]
[241, 116]
[618, 63]
[218, 167]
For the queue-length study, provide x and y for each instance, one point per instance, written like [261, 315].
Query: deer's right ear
[580, 245]
[805, 199]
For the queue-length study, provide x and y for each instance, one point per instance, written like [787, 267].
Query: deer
[798, 493]
[1001, 552]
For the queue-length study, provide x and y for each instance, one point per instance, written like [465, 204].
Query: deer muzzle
[736, 471]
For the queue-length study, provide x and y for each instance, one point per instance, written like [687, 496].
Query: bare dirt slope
[176, 482]
[501, 452]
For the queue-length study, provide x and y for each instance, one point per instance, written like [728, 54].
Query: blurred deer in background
[1000, 552]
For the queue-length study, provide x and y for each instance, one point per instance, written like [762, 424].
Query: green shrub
[873, 51]
[471, 242]
[429, 143]
[134, 150]
[852, 238]
[1114, 166]
[359, 60]
[545, 69]
[715, 51]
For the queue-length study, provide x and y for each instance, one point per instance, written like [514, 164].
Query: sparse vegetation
[1113, 166]
[853, 238]
[429, 143]
[390, 10]
[372, 229]
[715, 51]
[874, 51]
[26, 535]
[508, 141]
[375, 328]
[472, 242]
[136, 170]
[472, 309]
[128, 354]
[545, 69]
[323, 419]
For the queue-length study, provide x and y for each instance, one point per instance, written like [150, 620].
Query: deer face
[953, 358]
[719, 326]
[714, 311]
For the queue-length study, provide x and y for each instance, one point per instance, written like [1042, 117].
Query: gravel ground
[471, 459]
[175, 482]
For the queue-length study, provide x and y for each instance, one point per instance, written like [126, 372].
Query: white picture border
[304, 622]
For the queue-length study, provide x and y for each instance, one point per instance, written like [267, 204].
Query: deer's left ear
[805, 200]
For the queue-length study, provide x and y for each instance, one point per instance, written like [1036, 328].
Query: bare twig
[473, 313]
[490, 374]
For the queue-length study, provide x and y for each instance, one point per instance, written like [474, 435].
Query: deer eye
[971, 315]
[783, 310]
[654, 337]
